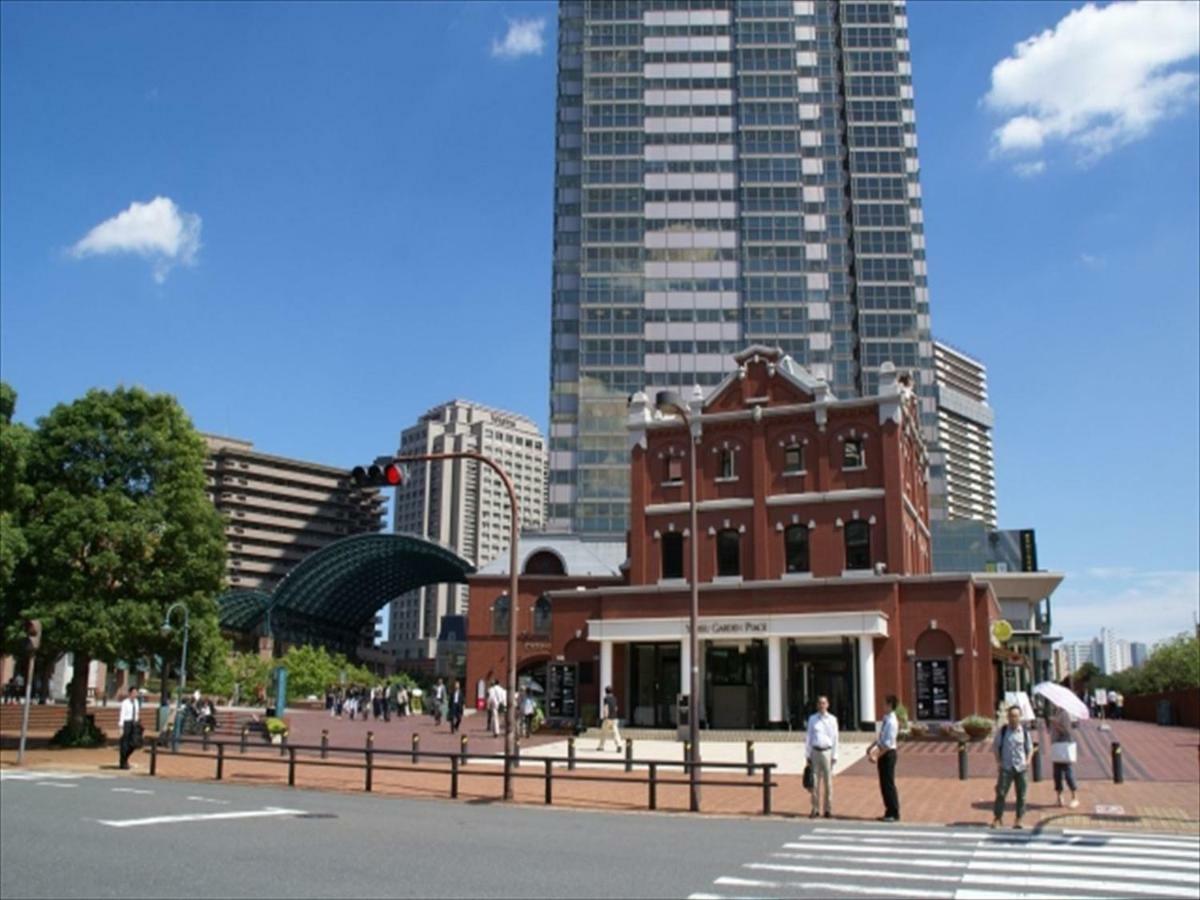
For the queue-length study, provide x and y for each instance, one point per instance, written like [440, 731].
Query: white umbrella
[1064, 698]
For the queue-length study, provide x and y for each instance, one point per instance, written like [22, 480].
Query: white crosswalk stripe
[42, 775]
[971, 865]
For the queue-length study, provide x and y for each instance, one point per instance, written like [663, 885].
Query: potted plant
[918, 731]
[276, 730]
[976, 727]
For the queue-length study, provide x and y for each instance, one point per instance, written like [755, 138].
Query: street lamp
[166, 630]
[672, 402]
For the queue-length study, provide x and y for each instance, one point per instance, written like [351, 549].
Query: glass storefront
[735, 685]
[825, 669]
[653, 684]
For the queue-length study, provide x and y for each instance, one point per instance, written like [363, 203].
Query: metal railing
[318, 756]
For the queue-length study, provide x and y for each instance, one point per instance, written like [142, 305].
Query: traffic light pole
[510, 733]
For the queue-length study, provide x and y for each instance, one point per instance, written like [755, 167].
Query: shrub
[88, 736]
[976, 725]
[902, 714]
[276, 726]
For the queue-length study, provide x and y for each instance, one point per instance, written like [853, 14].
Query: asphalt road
[73, 835]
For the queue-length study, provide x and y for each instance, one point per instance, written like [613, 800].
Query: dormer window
[853, 454]
[793, 459]
[728, 463]
[674, 470]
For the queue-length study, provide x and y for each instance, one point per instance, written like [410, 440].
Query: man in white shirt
[883, 753]
[129, 714]
[495, 700]
[821, 749]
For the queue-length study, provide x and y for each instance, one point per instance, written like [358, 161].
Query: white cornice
[667, 509]
[826, 496]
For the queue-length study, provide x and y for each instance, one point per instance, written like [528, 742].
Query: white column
[606, 653]
[866, 677]
[685, 667]
[774, 680]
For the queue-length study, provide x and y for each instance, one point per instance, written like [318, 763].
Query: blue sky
[356, 225]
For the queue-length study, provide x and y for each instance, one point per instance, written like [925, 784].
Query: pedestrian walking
[129, 721]
[402, 701]
[609, 723]
[495, 700]
[1063, 754]
[439, 702]
[821, 749]
[455, 707]
[528, 709]
[1013, 747]
[883, 753]
[1120, 705]
[1112, 703]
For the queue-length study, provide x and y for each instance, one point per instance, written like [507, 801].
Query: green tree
[14, 499]
[118, 528]
[312, 669]
[1174, 664]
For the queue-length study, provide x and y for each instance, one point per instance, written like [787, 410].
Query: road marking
[36, 775]
[857, 873]
[872, 890]
[209, 800]
[1148, 847]
[1141, 874]
[1116, 889]
[1132, 856]
[130, 791]
[977, 894]
[57, 784]
[927, 863]
[201, 817]
[1107, 838]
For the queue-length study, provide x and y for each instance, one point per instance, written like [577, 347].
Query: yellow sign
[1002, 630]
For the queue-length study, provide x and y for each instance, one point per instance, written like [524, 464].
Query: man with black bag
[129, 721]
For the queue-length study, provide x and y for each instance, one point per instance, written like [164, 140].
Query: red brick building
[814, 568]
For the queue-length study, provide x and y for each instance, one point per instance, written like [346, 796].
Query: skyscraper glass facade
[726, 173]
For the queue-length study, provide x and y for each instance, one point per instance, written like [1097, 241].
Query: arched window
[728, 463]
[854, 454]
[795, 547]
[544, 562]
[729, 553]
[793, 459]
[672, 555]
[674, 470]
[541, 615]
[858, 545]
[500, 613]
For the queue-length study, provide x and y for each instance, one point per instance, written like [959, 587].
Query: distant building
[1138, 653]
[278, 510]
[462, 505]
[1114, 652]
[963, 474]
[1078, 653]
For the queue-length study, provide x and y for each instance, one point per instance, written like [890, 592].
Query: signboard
[1002, 630]
[744, 628]
[1028, 551]
[933, 689]
[561, 691]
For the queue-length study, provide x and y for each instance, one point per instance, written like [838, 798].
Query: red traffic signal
[379, 475]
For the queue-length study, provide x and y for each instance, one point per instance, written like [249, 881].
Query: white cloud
[1137, 605]
[524, 38]
[1030, 169]
[158, 230]
[1092, 262]
[1102, 77]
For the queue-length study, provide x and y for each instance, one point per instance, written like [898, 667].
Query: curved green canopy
[334, 592]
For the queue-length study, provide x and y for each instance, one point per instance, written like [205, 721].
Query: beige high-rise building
[965, 458]
[279, 510]
[462, 505]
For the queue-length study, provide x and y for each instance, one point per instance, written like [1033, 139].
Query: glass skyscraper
[726, 173]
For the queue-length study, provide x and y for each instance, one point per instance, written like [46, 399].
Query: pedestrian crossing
[969, 864]
[47, 775]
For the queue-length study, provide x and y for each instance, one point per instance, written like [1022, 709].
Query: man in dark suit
[456, 707]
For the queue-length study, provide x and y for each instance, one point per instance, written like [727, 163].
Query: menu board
[933, 689]
[561, 691]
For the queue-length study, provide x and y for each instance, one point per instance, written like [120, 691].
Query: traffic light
[379, 474]
[33, 635]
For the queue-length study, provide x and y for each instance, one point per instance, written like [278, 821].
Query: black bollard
[324, 743]
[462, 741]
[1037, 763]
[749, 757]
[571, 754]
[517, 752]
[416, 748]
[245, 732]
[1117, 766]
[629, 754]
[962, 760]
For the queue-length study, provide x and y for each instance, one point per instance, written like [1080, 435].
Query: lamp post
[672, 402]
[166, 630]
[510, 733]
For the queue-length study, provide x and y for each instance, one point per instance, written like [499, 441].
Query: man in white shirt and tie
[821, 749]
[883, 753]
[128, 715]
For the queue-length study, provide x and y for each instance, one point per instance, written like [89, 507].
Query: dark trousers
[125, 746]
[1064, 771]
[887, 784]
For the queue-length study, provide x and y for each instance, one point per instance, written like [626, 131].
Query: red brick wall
[1185, 707]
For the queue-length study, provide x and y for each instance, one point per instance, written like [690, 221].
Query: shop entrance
[653, 684]
[735, 685]
[825, 669]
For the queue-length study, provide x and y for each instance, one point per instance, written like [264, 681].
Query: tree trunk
[77, 695]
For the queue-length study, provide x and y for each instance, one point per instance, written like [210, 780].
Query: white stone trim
[869, 623]
[666, 509]
[825, 496]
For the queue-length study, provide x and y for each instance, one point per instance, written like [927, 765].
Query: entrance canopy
[333, 593]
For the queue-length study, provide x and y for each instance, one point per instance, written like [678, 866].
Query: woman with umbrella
[1066, 710]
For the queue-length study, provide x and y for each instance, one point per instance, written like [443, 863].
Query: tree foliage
[311, 670]
[118, 527]
[1172, 665]
[14, 498]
